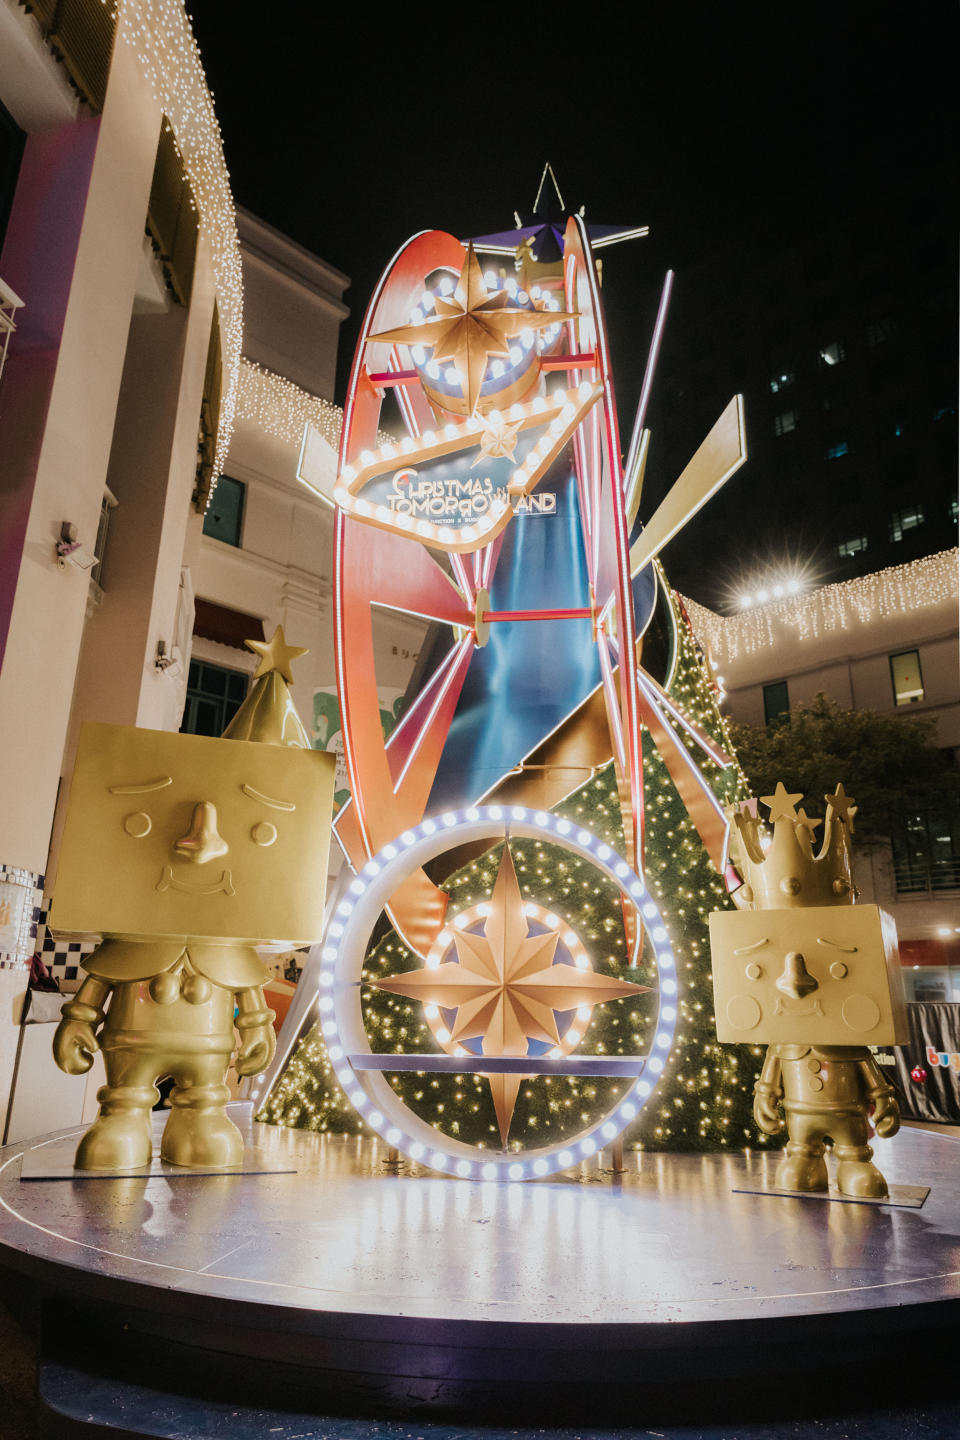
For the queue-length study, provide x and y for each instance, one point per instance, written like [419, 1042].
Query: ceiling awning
[225, 626]
[930, 951]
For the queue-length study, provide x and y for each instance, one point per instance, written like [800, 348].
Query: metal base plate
[910, 1197]
[54, 1161]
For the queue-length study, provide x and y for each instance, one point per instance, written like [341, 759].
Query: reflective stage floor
[395, 1293]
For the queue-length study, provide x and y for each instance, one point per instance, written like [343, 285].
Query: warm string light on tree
[704, 1098]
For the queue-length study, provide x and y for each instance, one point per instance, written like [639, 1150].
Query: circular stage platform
[323, 1270]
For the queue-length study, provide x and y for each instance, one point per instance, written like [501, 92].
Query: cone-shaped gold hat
[268, 714]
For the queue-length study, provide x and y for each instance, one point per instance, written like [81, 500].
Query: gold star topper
[275, 654]
[506, 987]
[782, 806]
[471, 326]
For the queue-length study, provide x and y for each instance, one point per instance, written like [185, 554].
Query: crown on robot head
[781, 871]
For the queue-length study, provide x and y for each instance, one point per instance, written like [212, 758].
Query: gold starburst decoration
[506, 987]
[498, 439]
[470, 326]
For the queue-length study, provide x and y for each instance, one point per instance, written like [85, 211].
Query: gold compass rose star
[498, 439]
[506, 987]
[470, 326]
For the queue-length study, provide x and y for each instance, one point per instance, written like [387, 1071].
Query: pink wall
[38, 260]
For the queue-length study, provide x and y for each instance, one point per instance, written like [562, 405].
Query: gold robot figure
[184, 852]
[805, 968]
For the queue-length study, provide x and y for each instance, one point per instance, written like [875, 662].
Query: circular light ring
[344, 952]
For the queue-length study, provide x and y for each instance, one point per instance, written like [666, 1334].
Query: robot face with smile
[822, 975]
[203, 837]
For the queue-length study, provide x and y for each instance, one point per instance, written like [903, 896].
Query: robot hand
[766, 1109]
[886, 1115]
[74, 1046]
[256, 1049]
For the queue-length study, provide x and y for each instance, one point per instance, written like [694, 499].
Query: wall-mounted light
[69, 549]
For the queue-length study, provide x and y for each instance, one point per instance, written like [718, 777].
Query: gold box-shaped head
[827, 975]
[183, 836]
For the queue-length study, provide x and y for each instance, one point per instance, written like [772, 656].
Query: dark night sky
[350, 132]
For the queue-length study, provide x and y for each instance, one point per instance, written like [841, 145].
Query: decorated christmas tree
[704, 1098]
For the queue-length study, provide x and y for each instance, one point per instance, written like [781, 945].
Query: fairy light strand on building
[159, 34]
[900, 590]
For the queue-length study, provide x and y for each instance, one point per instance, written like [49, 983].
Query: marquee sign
[457, 487]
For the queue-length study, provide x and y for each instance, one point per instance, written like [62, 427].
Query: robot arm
[886, 1114]
[257, 1038]
[75, 1040]
[767, 1093]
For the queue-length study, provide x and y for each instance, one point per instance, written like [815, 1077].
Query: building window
[903, 520]
[852, 547]
[882, 330]
[833, 353]
[906, 677]
[107, 505]
[776, 702]
[837, 451]
[926, 852]
[214, 695]
[781, 381]
[785, 422]
[224, 519]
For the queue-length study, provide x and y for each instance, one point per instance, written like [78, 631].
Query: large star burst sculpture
[470, 326]
[506, 988]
